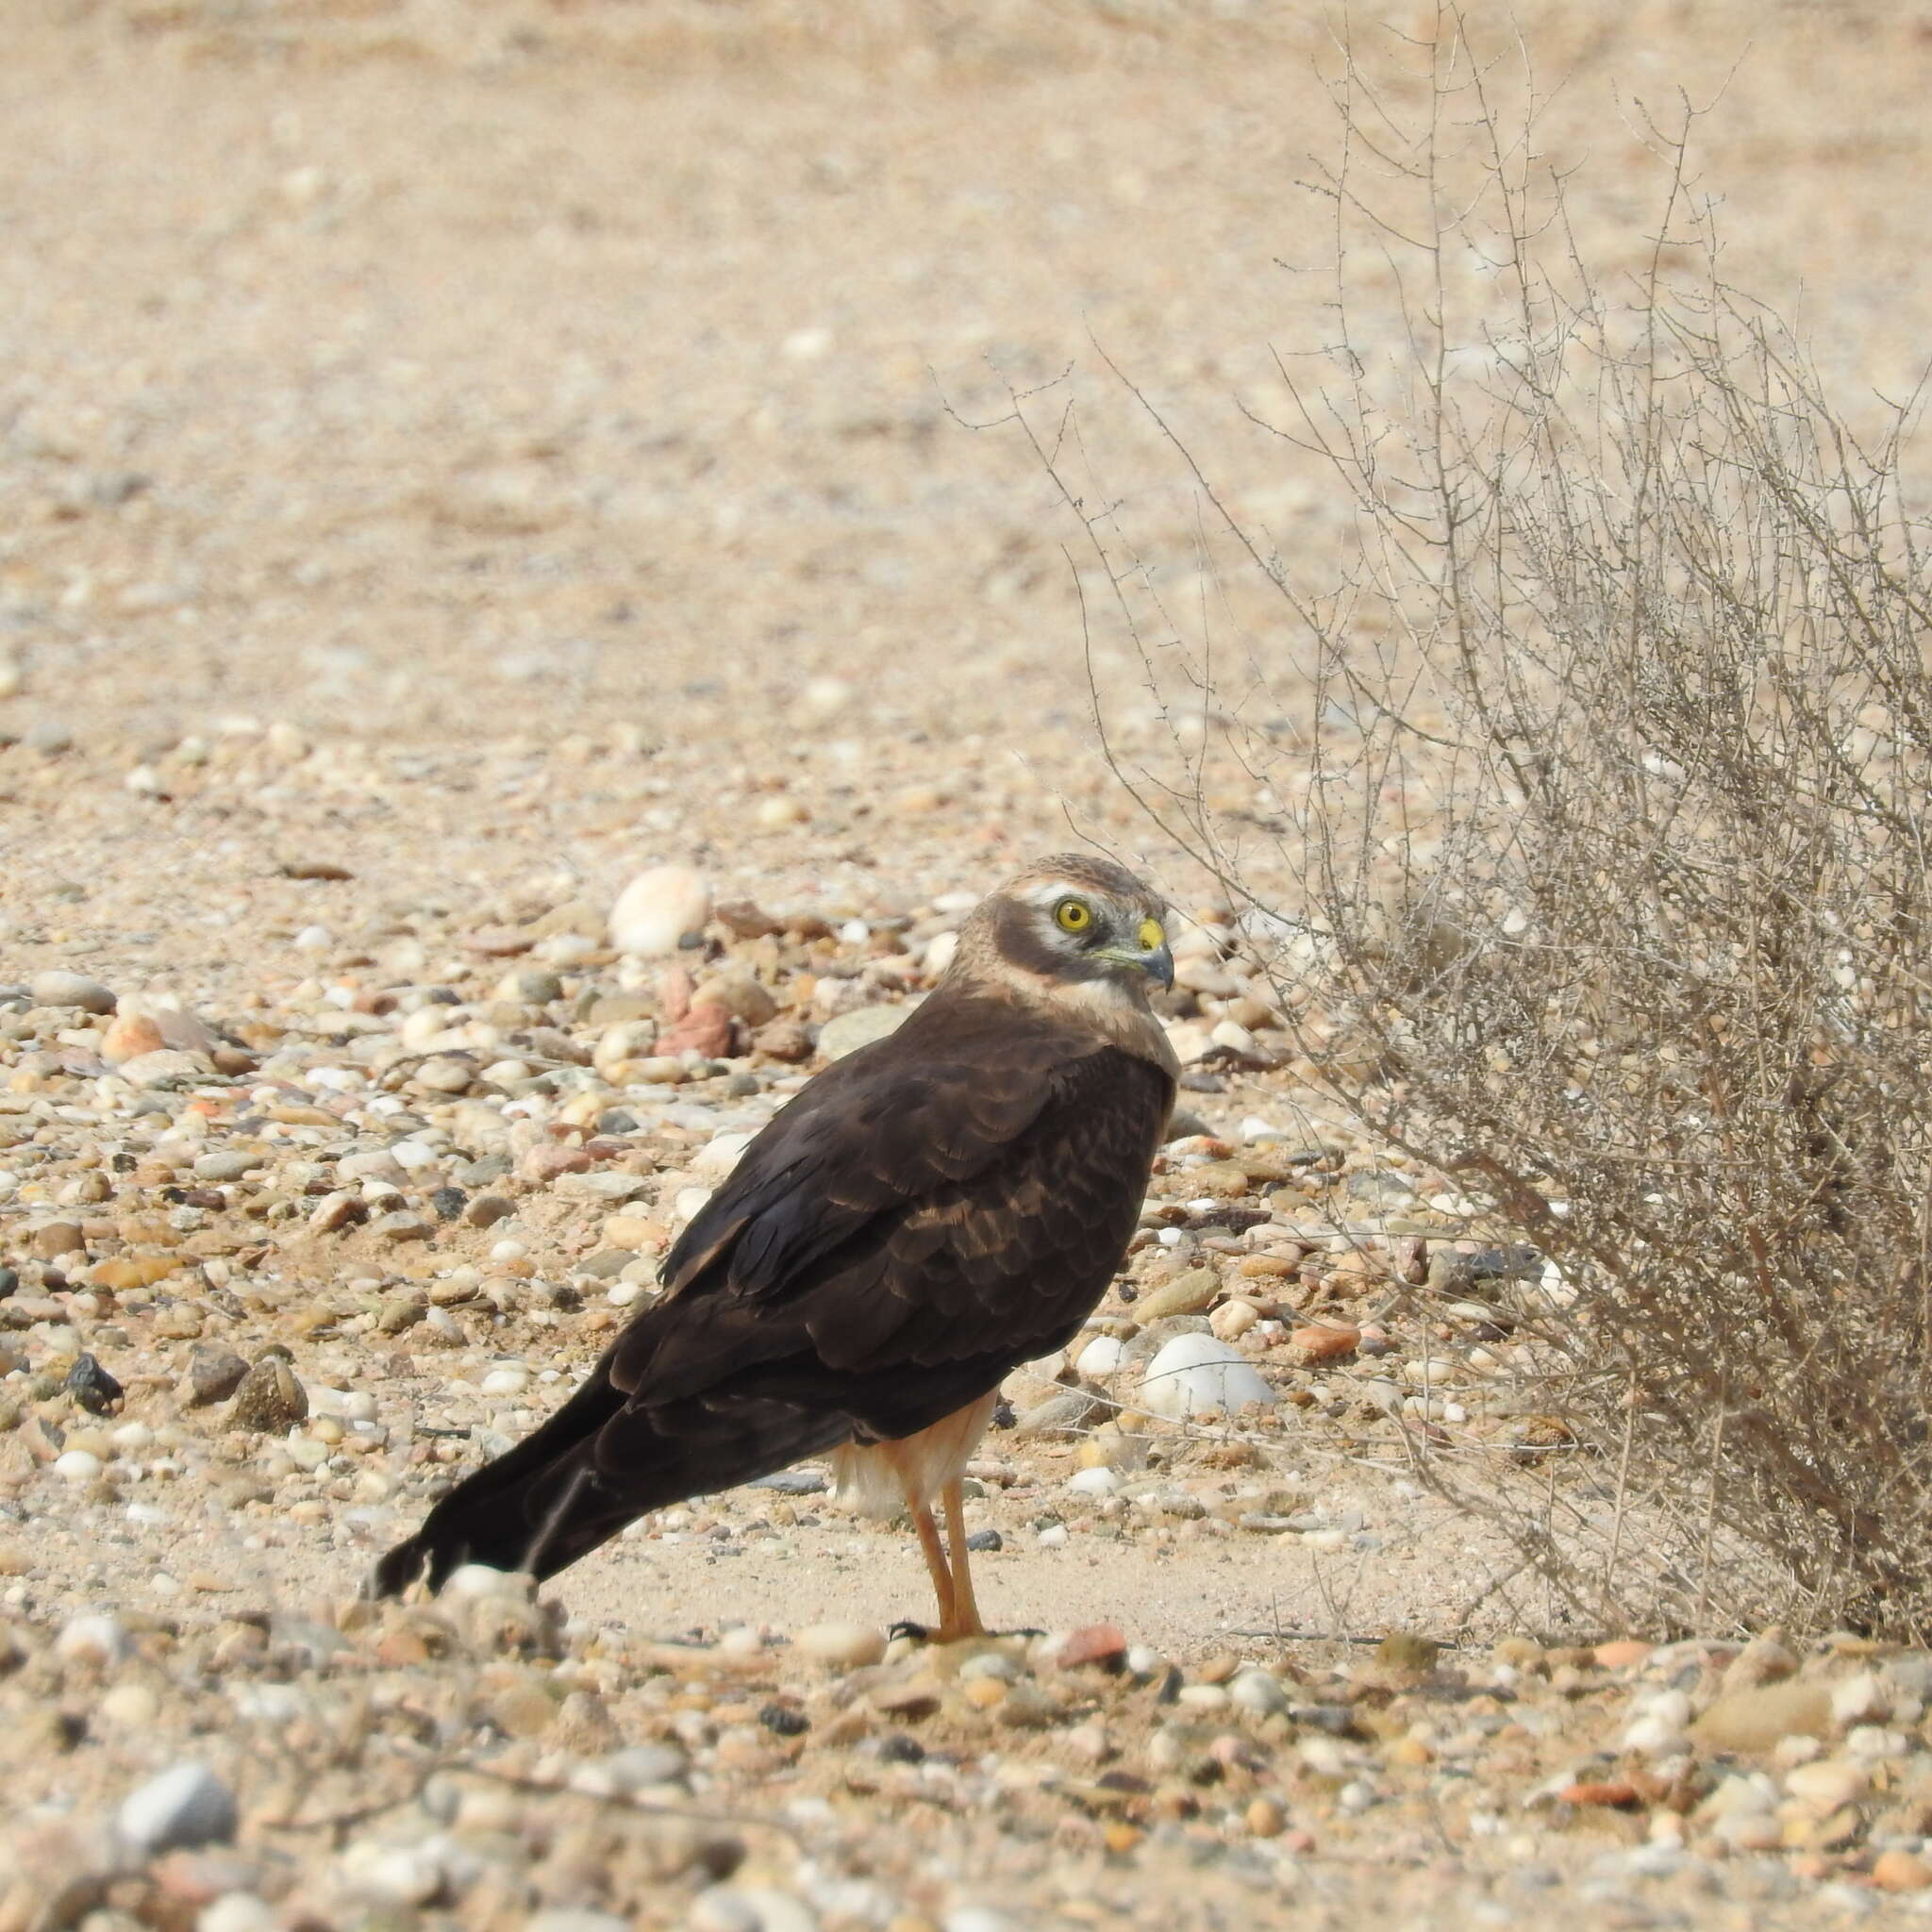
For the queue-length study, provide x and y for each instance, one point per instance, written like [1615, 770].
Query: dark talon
[919, 1633]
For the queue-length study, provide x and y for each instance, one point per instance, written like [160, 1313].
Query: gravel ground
[455, 460]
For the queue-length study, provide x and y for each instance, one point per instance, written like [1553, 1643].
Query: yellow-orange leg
[936, 1562]
[965, 1619]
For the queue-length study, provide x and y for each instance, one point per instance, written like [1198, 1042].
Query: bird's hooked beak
[1154, 958]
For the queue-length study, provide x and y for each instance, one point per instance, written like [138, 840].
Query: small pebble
[658, 910]
[93, 1638]
[840, 1647]
[92, 1387]
[239, 1911]
[184, 1807]
[270, 1399]
[1198, 1374]
[57, 989]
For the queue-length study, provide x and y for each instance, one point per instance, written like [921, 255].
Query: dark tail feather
[594, 1467]
[481, 1520]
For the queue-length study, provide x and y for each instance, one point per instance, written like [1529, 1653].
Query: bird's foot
[954, 1633]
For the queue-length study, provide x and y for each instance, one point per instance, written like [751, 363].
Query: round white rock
[1197, 1374]
[655, 911]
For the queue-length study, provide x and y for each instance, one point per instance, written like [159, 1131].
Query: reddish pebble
[1898, 1870]
[674, 989]
[1094, 1644]
[549, 1158]
[1322, 1344]
[705, 1029]
[1616, 1793]
[130, 1034]
[400, 1648]
[501, 942]
[1621, 1653]
[198, 1878]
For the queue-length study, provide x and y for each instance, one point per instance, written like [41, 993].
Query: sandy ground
[488, 449]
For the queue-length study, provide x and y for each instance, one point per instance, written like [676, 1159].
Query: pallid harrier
[929, 1212]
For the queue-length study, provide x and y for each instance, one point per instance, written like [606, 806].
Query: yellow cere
[1074, 915]
[1151, 935]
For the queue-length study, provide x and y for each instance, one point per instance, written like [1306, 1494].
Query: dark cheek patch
[1020, 943]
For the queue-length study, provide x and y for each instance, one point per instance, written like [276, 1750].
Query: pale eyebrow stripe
[1048, 891]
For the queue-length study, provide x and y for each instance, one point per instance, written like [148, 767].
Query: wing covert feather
[884, 1126]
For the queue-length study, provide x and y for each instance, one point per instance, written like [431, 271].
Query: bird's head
[1072, 923]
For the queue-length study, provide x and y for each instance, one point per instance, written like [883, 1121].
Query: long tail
[597, 1466]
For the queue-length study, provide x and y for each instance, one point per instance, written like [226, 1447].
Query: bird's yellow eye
[1152, 935]
[1073, 915]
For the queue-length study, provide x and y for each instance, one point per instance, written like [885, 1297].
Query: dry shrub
[1596, 773]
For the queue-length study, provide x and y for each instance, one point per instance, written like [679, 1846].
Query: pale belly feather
[888, 1478]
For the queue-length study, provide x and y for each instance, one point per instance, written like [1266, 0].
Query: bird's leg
[936, 1563]
[965, 1621]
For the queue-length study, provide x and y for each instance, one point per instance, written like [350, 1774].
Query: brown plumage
[927, 1213]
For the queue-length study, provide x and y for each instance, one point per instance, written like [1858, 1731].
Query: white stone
[1740, 1795]
[1102, 1356]
[977, 1918]
[1093, 1482]
[77, 1465]
[658, 909]
[403, 1875]
[1658, 1725]
[1829, 1784]
[860, 1027]
[166, 1066]
[186, 1806]
[716, 1159]
[237, 1912]
[823, 698]
[990, 1663]
[806, 345]
[505, 1381]
[469, 1582]
[840, 1647]
[1189, 1039]
[427, 1023]
[95, 1640]
[1204, 1697]
[1233, 1319]
[54, 988]
[1200, 1375]
[1188, 938]
[1859, 1700]
[1199, 974]
[1258, 1690]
